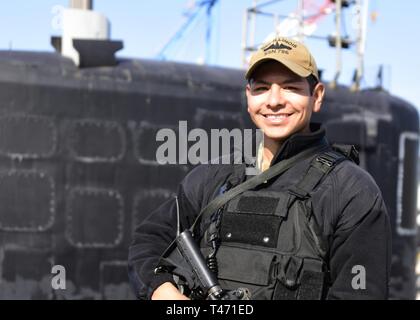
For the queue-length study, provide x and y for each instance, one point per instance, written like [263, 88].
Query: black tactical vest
[269, 241]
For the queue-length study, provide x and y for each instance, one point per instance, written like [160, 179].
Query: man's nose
[276, 97]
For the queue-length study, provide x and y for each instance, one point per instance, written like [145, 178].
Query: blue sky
[145, 26]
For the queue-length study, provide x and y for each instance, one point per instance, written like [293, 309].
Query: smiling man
[318, 230]
[281, 103]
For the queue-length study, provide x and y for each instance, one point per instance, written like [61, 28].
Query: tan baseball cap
[293, 54]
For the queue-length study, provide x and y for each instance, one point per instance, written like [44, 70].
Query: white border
[401, 155]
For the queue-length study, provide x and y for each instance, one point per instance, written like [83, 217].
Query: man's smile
[276, 117]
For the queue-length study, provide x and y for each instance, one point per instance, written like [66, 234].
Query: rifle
[183, 258]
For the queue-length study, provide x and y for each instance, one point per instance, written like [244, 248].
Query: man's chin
[276, 137]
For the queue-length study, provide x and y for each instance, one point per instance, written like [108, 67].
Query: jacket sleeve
[154, 234]
[360, 246]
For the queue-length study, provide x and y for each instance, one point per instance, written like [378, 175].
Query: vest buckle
[325, 160]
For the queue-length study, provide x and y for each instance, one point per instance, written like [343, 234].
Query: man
[319, 230]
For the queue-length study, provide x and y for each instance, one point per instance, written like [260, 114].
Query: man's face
[279, 101]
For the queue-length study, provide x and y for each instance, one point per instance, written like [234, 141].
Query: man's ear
[248, 93]
[318, 97]
[248, 89]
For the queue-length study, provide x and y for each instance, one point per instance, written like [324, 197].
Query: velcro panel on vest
[261, 205]
[261, 202]
[254, 229]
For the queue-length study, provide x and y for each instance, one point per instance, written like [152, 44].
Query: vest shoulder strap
[319, 167]
[347, 150]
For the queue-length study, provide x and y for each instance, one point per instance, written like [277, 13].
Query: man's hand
[168, 291]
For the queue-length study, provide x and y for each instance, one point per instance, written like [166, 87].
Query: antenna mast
[301, 24]
[202, 6]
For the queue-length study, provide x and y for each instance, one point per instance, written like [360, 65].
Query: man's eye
[260, 89]
[291, 88]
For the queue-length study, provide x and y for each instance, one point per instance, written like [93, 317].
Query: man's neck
[271, 147]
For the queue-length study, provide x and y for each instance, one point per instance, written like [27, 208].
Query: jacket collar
[300, 141]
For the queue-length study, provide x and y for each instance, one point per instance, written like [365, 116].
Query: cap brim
[295, 68]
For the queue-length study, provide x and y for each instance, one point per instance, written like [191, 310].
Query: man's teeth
[280, 116]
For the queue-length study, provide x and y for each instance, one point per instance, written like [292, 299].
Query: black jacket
[348, 206]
